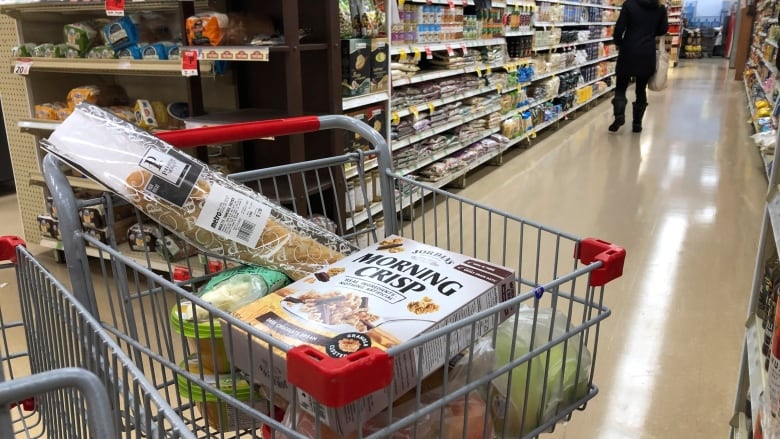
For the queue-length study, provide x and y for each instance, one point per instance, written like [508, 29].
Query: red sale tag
[464, 49]
[451, 3]
[428, 52]
[465, 3]
[115, 8]
[22, 67]
[450, 52]
[189, 63]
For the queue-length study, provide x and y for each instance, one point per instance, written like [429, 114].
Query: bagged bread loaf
[214, 214]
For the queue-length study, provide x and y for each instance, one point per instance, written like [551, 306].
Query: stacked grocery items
[520, 47]
[149, 115]
[374, 116]
[518, 17]
[403, 66]
[364, 48]
[760, 104]
[433, 24]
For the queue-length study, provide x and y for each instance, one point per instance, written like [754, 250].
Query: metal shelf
[64, 7]
[454, 45]
[567, 45]
[561, 24]
[398, 144]
[518, 33]
[111, 66]
[38, 127]
[438, 74]
[573, 3]
[558, 72]
[362, 101]
[449, 151]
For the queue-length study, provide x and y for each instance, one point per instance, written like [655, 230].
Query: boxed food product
[376, 119]
[379, 297]
[129, 52]
[120, 231]
[354, 141]
[49, 227]
[209, 211]
[379, 64]
[147, 237]
[157, 50]
[94, 217]
[104, 95]
[142, 237]
[151, 115]
[355, 67]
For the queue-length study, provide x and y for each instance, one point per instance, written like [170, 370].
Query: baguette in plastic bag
[214, 214]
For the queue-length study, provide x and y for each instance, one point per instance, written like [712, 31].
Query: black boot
[619, 110]
[639, 114]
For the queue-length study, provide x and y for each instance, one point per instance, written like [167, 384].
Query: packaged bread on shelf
[212, 213]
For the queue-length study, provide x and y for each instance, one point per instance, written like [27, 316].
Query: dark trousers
[641, 88]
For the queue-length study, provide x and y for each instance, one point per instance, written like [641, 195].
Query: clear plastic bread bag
[209, 211]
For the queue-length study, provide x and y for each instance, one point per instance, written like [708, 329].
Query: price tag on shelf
[431, 107]
[401, 55]
[417, 56]
[430, 2]
[450, 52]
[22, 67]
[115, 8]
[478, 71]
[499, 87]
[401, 3]
[189, 63]
[519, 88]
[488, 70]
[464, 49]
[396, 118]
[413, 109]
[428, 53]
[465, 3]
[451, 3]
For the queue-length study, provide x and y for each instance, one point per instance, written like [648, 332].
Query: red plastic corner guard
[612, 257]
[336, 382]
[8, 246]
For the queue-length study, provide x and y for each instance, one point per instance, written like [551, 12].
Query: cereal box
[380, 297]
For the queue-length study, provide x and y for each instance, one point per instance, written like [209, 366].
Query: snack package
[80, 36]
[565, 381]
[212, 213]
[49, 111]
[151, 115]
[234, 288]
[123, 112]
[92, 94]
[206, 29]
[130, 52]
[23, 50]
[121, 33]
[101, 52]
[156, 50]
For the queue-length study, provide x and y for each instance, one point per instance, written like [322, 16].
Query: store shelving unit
[254, 68]
[753, 381]
[674, 36]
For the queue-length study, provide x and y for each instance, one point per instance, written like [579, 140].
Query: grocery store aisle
[685, 199]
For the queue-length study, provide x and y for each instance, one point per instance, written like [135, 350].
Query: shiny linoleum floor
[685, 199]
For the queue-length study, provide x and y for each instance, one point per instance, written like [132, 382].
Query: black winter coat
[639, 23]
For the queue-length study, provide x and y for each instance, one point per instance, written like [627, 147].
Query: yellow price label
[396, 118]
[402, 55]
[519, 88]
[479, 72]
[431, 107]
[401, 3]
[417, 55]
[488, 70]
[414, 111]
[499, 87]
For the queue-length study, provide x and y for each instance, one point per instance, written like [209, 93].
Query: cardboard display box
[355, 67]
[380, 297]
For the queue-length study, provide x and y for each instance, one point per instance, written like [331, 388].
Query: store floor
[685, 199]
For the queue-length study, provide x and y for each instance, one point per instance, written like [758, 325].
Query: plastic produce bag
[209, 211]
[565, 381]
[658, 80]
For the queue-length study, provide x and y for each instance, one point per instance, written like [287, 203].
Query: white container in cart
[377, 298]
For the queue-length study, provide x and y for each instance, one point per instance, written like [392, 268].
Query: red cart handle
[8, 246]
[240, 132]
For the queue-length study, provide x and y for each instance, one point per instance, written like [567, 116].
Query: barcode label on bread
[233, 215]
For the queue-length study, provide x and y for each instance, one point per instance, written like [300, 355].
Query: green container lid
[188, 327]
[241, 389]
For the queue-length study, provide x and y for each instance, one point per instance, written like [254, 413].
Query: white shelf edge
[573, 3]
[518, 33]
[563, 24]
[567, 45]
[558, 72]
[439, 74]
[363, 100]
[455, 45]
[449, 151]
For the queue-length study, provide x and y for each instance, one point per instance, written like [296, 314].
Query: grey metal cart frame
[554, 270]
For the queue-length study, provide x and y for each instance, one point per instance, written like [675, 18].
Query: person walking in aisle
[640, 21]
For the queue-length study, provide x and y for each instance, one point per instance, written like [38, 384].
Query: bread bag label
[233, 215]
[174, 174]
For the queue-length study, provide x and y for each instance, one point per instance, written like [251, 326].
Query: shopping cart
[555, 272]
[72, 380]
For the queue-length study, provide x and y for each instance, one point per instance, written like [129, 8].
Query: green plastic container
[204, 339]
